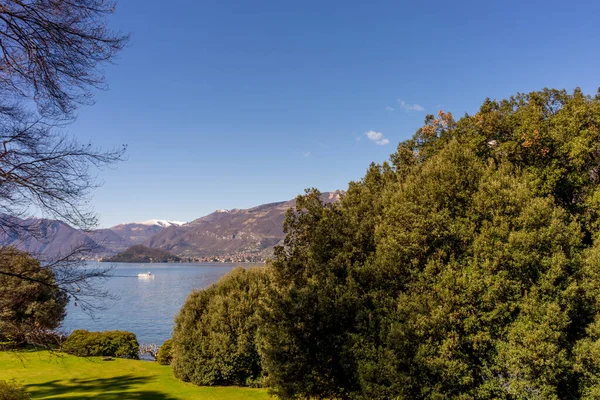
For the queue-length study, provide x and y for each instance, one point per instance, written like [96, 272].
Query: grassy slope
[58, 376]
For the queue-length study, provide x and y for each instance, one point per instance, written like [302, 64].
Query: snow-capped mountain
[161, 222]
[134, 233]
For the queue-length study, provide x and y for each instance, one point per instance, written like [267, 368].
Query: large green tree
[31, 304]
[465, 267]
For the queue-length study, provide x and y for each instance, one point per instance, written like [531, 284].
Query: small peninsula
[143, 254]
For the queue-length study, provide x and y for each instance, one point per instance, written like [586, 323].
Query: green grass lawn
[60, 376]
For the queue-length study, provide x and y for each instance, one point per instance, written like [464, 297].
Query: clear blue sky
[227, 104]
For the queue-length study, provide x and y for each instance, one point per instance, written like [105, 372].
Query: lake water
[146, 307]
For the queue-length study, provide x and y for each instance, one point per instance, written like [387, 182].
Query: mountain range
[234, 235]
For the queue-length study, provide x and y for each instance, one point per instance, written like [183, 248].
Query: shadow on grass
[115, 388]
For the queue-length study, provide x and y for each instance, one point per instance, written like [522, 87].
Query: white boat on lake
[146, 275]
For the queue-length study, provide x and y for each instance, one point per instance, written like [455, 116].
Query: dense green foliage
[31, 305]
[143, 254]
[11, 390]
[165, 353]
[466, 267]
[120, 344]
[214, 339]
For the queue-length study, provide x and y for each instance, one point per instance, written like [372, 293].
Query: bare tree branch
[45, 169]
[51, 51]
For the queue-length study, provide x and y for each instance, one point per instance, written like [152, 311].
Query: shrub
[83, 343]
[120, 344]
[214, 340]
[11, 390]
[165, 353]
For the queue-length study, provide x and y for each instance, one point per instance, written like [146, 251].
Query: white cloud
[388, 108]
[307, 154]
[410, 107]
[377, 138]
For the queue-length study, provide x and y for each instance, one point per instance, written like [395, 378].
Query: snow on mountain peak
[162, 222]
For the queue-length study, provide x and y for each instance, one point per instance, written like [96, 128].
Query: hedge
[119, 344]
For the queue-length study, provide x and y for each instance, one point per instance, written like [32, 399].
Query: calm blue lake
[146, 307]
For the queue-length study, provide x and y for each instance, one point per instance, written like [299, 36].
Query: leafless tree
[51, 53]
[51, 58]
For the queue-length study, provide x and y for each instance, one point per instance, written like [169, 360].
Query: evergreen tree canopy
[468, 266]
